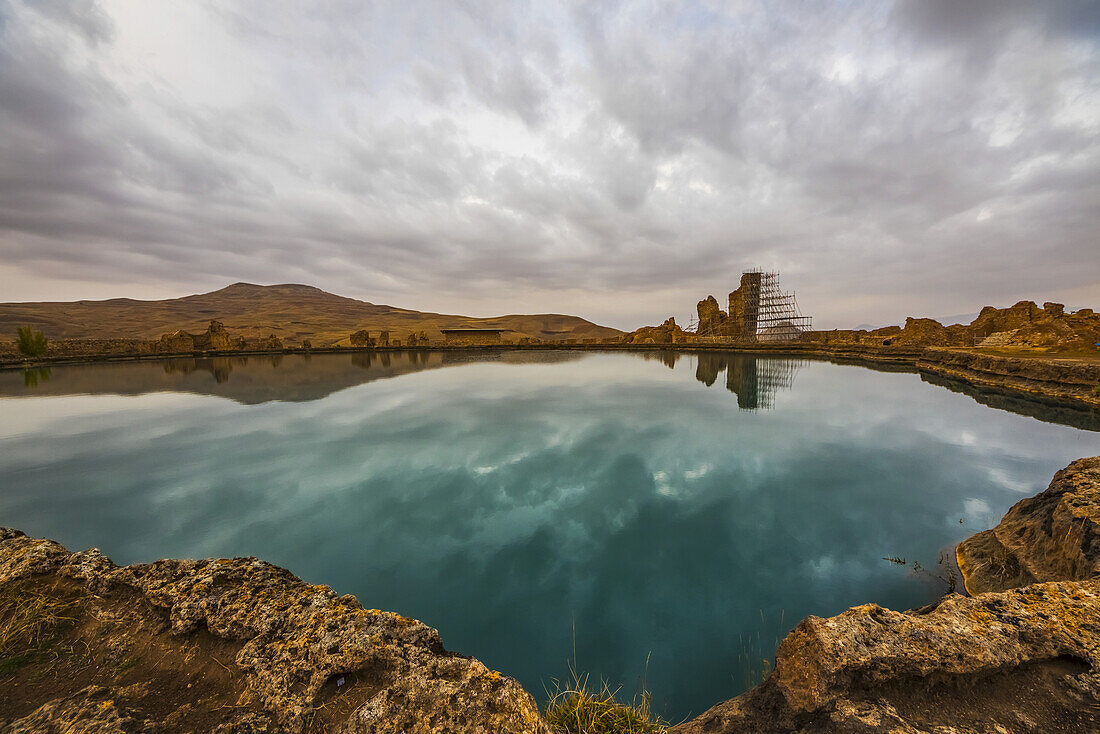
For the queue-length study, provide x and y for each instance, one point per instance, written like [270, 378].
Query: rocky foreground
[243, 646]
[1021, 658]
[229, 646]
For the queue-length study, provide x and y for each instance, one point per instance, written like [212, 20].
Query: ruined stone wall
[745, 305]
[472, 340]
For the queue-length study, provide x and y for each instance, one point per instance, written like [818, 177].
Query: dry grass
[31, 622]
[1004, 563]
[575, 708]
[291, 312]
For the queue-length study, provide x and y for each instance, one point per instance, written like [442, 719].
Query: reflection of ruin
[666, 357]
[219, 367]
[754, 380]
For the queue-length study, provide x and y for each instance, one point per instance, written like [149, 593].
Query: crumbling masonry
[758, 311]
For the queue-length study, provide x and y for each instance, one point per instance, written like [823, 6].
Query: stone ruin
[758, 311]
[215, 338]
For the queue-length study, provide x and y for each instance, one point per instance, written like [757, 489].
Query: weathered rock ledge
[1053, 535]
[1021, 659]
[259, 649]
[1051, 377]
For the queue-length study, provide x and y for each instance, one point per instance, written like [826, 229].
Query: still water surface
[681, 509]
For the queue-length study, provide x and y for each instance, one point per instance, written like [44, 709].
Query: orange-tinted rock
[1018, 660]
[1052, 536]
[667, 333]
[929, 332]
[288, 642]
[712, 319]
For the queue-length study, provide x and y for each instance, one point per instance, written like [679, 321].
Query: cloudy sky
[614, 160]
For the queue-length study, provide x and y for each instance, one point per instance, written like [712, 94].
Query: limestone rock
[1023, 325]
[929, 332]
[1020, 660]
[712, 319]
[667, 333]
[1024, 660]
[1052, 536]
[293, 640]
[992, 320]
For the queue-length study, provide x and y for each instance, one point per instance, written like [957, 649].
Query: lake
[649, 516]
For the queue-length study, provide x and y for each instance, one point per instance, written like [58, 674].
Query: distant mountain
[959, 318]
[293, 312]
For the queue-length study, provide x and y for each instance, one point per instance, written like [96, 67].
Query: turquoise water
[685, 510]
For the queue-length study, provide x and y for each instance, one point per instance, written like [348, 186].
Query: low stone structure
[215, 338]
[177, 341]
[361, 338]
[269, 342]
[472, 336]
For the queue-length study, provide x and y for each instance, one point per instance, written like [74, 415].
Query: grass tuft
[30, 622]
[575, 708]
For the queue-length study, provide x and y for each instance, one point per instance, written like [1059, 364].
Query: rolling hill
[292, 312]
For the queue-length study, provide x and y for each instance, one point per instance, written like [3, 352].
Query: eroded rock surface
[1053, 535]
[291, 651]
[667, 333]
[1023, 659]
[1021, 326]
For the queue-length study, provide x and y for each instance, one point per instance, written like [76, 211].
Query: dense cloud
[616, 160]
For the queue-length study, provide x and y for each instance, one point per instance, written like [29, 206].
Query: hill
[292, 312]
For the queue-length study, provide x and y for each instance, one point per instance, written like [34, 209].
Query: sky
[614, 160]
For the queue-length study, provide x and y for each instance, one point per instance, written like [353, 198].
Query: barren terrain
[291, 312]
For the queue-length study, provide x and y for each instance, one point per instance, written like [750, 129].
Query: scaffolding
[770, 314]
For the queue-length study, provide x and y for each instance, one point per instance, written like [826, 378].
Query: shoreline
[261, 650]
[1065, 380]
